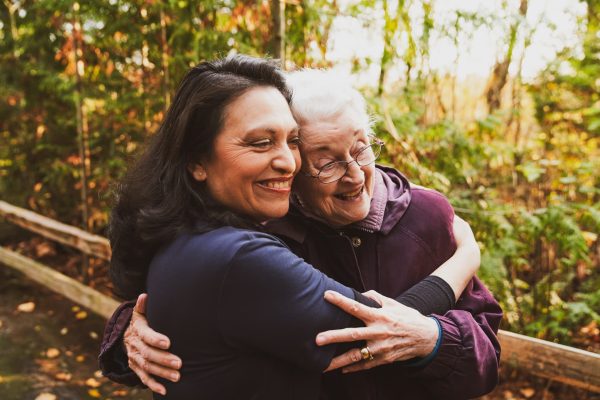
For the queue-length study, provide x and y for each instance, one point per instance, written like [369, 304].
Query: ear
[197, 171]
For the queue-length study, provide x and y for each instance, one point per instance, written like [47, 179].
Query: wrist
[431, 336]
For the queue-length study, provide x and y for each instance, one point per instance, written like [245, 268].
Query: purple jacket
[406, 236]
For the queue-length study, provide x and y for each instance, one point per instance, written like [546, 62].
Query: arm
[284, 305]
[146, 347]
[131, 352]
[438, 292]
[458, 270]
[465, 364]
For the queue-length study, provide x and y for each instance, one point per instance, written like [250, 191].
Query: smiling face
[338, 138]
[255, 156]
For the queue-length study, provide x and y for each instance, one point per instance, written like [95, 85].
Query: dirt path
[50, 352]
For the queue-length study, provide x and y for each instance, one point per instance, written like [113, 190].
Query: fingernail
[175, 363]
[162, 391]
[164, 344]
[320, 339]
[174, 377]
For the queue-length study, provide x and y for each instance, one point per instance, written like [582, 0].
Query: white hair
[321, 94]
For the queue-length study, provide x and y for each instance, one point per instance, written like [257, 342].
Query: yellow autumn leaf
[81, 315]
[52, 352]
[63, 376]
[527, 392]
[94, 393]
[26, 307]
[93, 383]
[46, 396]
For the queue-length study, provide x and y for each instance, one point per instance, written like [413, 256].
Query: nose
[354, 174]
[285, 161]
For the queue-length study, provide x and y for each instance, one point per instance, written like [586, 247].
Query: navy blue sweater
[242, 312]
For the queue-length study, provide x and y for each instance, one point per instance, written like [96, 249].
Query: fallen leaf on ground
[98, 374]
[81, 315]
[94, 335]
[69, 353]
[120, 393]
[52, 352]
[75, 308]
[63, 376]
[92, 383]
[46, 396]
[80, 358]
[527, 392]
[508, 395]
[94, 393]
[44, 249]
[26, 307]
[64, 331]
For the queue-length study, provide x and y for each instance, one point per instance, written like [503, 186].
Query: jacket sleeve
[113, 358]
[283, 304]
[466, 364]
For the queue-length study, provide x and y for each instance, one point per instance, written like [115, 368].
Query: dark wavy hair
[159, 199]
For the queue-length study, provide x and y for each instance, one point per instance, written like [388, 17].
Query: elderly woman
[370, 229]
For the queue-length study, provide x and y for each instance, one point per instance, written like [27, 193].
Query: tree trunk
[82, 129]
[165, 58]
[499, 76]
[278, 29]
[14, 33]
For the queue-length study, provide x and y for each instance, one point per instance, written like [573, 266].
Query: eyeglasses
[335, 170]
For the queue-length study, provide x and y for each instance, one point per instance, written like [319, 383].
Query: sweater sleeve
[467, 360]
[272, 301]
[113, 357]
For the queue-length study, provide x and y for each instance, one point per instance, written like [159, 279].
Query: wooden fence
[557, 362]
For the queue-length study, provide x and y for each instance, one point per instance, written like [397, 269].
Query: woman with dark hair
[241, 310]
[186, 229]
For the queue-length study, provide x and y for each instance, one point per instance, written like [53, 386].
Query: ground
[49, 346]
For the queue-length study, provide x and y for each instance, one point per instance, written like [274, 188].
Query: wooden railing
[557, 362]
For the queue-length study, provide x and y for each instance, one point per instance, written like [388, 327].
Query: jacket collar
[391, 197]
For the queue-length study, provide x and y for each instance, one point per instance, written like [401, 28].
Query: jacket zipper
[362, 282]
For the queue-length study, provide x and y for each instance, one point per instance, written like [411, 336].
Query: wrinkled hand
[146, 350]
[393, 332]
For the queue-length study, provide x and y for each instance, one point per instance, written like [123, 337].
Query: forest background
[83, 84]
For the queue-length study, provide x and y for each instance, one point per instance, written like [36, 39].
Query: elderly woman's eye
[329, 166]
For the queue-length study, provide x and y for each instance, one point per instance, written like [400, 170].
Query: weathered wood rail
[557, 362]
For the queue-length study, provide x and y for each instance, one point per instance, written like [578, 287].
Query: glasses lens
[369, 154]
[332, 172]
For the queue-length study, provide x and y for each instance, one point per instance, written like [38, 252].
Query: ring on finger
[366, 354]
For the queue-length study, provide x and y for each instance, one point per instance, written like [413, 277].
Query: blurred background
[493, 103]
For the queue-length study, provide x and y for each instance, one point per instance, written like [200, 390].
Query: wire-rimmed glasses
[335, 170]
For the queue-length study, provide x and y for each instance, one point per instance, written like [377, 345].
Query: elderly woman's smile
[334, 187]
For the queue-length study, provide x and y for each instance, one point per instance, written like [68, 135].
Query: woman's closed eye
[262, 143]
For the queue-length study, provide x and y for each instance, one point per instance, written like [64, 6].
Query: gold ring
[366, 353]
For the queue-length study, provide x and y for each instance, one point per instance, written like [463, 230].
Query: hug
[281, 262]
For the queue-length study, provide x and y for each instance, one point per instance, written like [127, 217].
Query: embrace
[280, 262]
